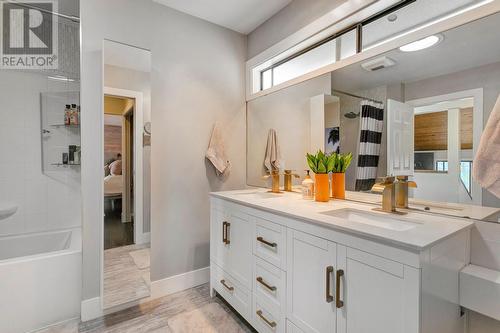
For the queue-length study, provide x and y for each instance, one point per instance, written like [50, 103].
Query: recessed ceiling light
[422, 43]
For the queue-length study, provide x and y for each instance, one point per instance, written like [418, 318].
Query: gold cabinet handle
[262, 282]
[262, 240]
[272, 324]
[224, 232]
[223, 282]
[340, 274]
[227, 233]
[329, 271]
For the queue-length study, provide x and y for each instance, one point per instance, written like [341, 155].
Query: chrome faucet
[401, 185]
[387, 188]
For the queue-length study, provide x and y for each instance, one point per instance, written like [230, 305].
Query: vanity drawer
[270, 242]
[232, 291]
[265, 319]
[269, 285]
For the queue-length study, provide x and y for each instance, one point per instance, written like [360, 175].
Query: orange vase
[322, 187]
[338, 185]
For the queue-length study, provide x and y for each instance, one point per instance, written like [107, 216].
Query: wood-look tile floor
[124, 281]
[152, 317]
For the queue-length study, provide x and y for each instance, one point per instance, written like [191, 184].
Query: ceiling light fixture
[421, 44]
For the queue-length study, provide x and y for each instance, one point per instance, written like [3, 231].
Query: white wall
[290, 19]
[197, 78]
[125, 78]
[47, 201]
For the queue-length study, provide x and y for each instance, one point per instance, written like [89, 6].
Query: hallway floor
[117, 233]
[126, 274]
[189, 311]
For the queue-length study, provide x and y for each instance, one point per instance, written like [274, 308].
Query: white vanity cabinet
[286, 274]
[311, 266]
[377, 295]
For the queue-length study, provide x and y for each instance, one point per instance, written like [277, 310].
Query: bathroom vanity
[290, 265]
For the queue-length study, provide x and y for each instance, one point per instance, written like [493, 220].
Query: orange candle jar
[322, 187]
[338, 185]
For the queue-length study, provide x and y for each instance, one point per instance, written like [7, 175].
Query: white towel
[272, 159]
[486, 165]
[216, 153]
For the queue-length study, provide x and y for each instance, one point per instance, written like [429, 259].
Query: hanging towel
[486, 164]
[371, 127]
[272, 159]
[216, 153]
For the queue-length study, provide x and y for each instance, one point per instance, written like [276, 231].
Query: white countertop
[429, 229]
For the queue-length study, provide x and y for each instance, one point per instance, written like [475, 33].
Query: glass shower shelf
[64, 125]
[61, 164]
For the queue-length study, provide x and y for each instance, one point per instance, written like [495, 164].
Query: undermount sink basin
[7, 209]
[381, 220]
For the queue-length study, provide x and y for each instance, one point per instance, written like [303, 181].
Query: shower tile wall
[46, 201]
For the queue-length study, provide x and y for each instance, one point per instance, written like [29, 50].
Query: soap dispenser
[308, 187]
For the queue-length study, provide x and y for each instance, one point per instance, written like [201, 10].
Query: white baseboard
[91, 309]
[145, 238]
[179, 282]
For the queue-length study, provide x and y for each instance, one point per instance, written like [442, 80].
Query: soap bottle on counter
[308, 187]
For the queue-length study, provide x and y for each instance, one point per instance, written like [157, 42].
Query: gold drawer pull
[262, 282]
[272, 324]
[225, 285]
[340, 274]
[262, 240]
[225, 232]
[329, 271]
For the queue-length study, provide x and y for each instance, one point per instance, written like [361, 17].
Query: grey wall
[290, 19]
[125, 78]
[486, 77]
[197, 78]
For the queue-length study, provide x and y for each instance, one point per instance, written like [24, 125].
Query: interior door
[400, 139]
[310, 277]
[379, 295]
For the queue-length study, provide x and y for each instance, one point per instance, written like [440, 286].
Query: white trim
[138, 157]
[146, 237]
[179, 282]
[477, 123]
[440, 25]
[91, 309]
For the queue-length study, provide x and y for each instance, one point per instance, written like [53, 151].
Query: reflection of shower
[351, 115]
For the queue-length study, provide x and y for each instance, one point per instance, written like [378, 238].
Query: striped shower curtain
[371, 125]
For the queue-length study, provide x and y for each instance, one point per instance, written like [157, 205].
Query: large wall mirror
[434, 100]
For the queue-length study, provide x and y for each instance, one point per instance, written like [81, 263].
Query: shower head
[351, 115]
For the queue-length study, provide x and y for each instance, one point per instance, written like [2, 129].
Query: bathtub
[40, 279]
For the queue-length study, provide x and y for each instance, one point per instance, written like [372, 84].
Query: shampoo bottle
[67, 115]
